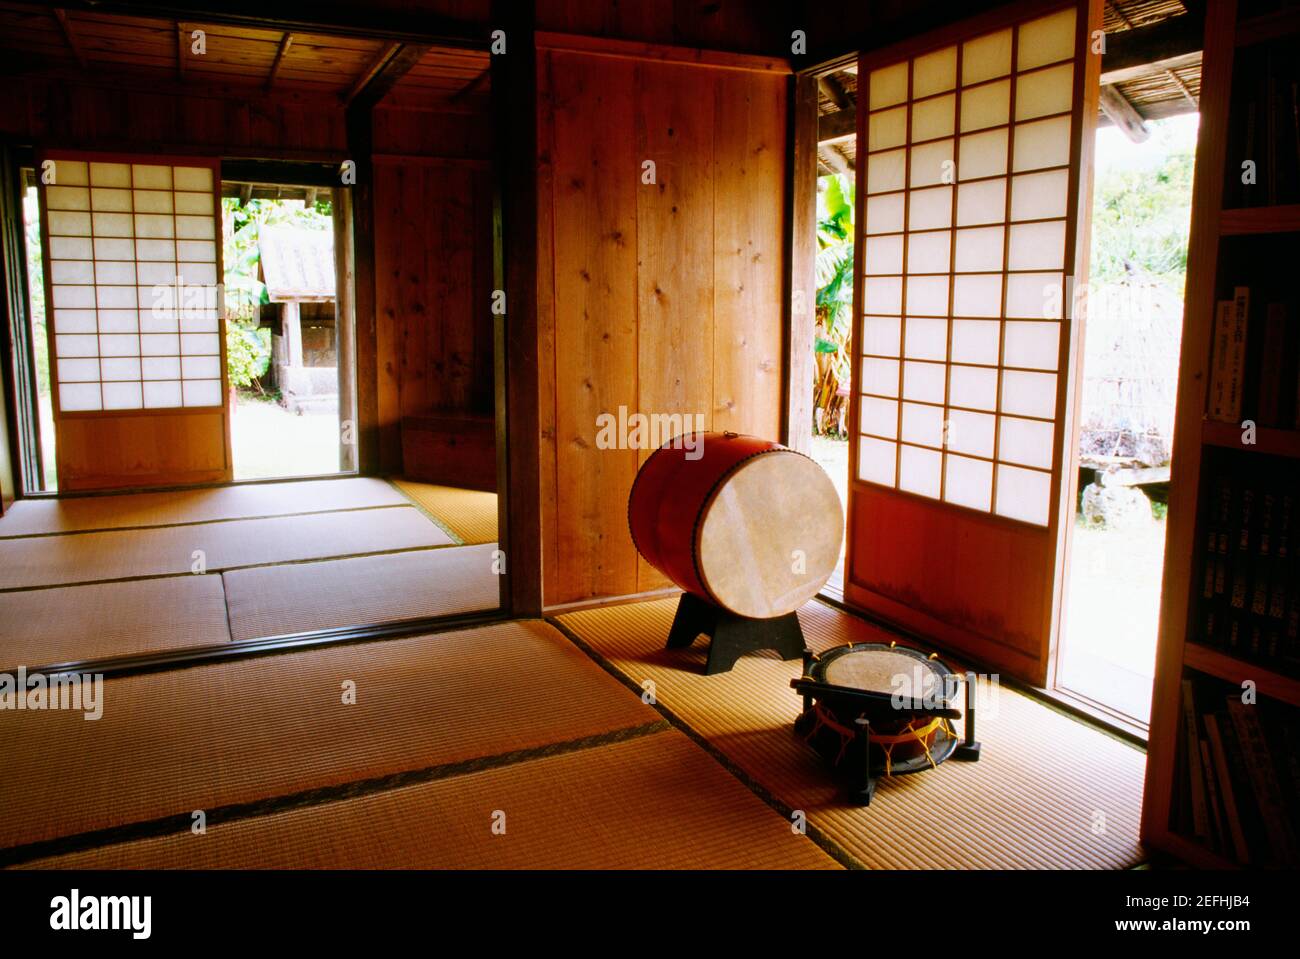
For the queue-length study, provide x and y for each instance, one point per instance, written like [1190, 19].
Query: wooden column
[359, 124]
[345, 337]
[514, 234]
[801, 261]
[291, 330]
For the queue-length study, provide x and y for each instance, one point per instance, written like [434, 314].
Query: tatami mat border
[824, 842]
[182, 822]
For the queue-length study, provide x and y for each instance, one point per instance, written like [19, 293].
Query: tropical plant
[834, 273]
[1140, 215]
[248, 352]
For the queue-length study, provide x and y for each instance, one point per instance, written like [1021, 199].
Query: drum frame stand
[732, 636]
[863, 787]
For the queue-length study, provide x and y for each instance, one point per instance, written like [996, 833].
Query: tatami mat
[275, 600]
[29, 517]
[470, 514]
[125, 554]
[655, 802]
[236, 732]
[46, 627]
[1048, 792]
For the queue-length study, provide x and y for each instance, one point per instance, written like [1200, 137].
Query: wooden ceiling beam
[386, 53]
[1164, 40]
[1122, 113]
[393, 63]
[840, 125]
[303, 16]
[1185, 61]
[1178, 82]
[834, 159]
[70, 36]
[843, 123]
[286, 42]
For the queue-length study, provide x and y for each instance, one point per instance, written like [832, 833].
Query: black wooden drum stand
[732, 636]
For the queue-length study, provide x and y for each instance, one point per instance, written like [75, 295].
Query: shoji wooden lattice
[963, 254]
[133, 256]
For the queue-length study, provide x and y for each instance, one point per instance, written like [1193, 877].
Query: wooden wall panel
[432, 293]
[748, 249]
[129, 116]
[596, 176]
[675, 249]
[548, 439]
[168, 448]
[661, 297]
[736, 25]
[414, 132]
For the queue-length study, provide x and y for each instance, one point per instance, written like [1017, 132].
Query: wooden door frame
[305, 173]
[18, 376]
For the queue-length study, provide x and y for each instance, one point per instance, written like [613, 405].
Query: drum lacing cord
[823, 718]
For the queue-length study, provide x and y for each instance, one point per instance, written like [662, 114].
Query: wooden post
[801, 260]
[345, 334]
[514, 234]
[363, 287]
[291, 330]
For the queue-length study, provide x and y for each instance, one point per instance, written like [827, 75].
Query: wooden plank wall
[658, 298]
[433, 274]
[735, 25]
[432, 212]
[129, 117]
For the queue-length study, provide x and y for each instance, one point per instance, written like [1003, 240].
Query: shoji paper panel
[134, 285]
[966, 178]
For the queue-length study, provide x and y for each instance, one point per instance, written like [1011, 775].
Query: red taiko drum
[742, 522]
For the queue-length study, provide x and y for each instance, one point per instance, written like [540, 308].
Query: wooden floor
[106, 576]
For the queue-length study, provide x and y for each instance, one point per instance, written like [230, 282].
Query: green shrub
[248, 352]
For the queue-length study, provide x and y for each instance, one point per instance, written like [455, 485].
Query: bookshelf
[1240, 236]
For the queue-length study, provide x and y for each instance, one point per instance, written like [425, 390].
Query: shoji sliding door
[971, 151]
[132, 251]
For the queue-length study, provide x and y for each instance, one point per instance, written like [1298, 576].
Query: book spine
[1269, 400]
[1195, 777]
[1239, 632]
[1224, 318]
[1232, 814]
[1219, 839]
[1263, 776]
[1237, 354]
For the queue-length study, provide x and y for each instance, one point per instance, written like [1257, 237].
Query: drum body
[903, 739]
[742, 522]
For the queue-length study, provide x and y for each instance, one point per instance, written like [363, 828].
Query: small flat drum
[905, 691]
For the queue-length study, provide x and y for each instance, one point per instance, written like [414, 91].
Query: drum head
[770, 537]
[888, 670]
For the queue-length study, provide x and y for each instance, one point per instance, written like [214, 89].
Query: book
[1218, 398]
[1263, 775]
[1232, 813]
[1195, 776]
[1269, 410]
[1218, 826]
[1228, 361]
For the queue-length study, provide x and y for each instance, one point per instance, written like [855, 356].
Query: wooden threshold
[269, 645]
